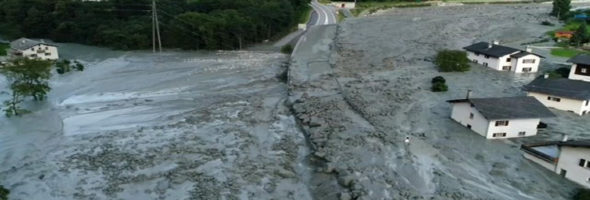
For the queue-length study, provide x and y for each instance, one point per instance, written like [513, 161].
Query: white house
[495, 118]
[571, 94]
[580, 68]
[503, 58]
[570, 159]
[33, 49]
[350, 4]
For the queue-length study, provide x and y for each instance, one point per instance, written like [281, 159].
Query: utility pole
[155, 28]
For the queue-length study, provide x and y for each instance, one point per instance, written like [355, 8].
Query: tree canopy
[28, 78]
[561, 8]
[127, 24]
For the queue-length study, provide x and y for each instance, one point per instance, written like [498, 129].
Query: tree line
[127, 24]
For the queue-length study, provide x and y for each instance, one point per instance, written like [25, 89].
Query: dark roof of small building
[521, 107]
[561, 87]
[495, 51]
[569, 143]
[523, 54]
[25, 43]
[580, 59]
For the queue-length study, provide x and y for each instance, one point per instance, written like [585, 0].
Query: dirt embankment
[363, 87]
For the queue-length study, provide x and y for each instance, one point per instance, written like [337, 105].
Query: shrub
[452, 61]
[287, 49]
[79, 66]
[439, 87]
[438, 79]
[546, 23]
[582, 194]
[4, 193]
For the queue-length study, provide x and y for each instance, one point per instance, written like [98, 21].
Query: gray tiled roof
[562, 87]
[570, 143]
[496, 50]
[580, 59]
[521, 107]
[524, 53]
[25, 43]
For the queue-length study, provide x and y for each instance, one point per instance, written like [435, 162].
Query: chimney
[546, 76]
[490, 44]
[528, 49]
[469, 92]
[496, 42]
[564, 139]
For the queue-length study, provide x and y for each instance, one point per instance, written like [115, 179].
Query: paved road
[325, 14]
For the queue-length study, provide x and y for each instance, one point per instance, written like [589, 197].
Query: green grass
[3, 48]
[565, 52]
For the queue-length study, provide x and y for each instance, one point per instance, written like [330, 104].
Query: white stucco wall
[349, 5]
[529, 126]
[569, 159]
[494, 63]
[518, 64]
[461, 113]
[543, 163]
[575, 76]
[33, 52]
[565, 104]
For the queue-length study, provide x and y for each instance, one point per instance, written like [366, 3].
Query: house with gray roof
[497, 118]
[503, 58]
[568, 158]
[562, 93]
[580, 67]
[33, 49]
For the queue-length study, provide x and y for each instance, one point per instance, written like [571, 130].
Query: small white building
[580, 67]
[503, 58]
[33, 49]
[570, 159]
[496, 118]
[571, 94]
[344, 4]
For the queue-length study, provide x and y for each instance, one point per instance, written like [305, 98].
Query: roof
[569, 143]
[521, 107]
[565, 32]
[25, 43]
[580, 59]
[523, 54]
[549, 151]
[495, 51]
[561, 87]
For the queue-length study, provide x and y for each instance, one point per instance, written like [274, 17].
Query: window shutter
[582, 163]
[507, 122]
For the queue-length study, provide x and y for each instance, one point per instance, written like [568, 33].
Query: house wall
[529, 126]
[575, 76]
[518, 64]
[543, 163]
[565, 104]
[349, 5]
[569, 159]
[33, 52]
[461, 113]
[481, 59]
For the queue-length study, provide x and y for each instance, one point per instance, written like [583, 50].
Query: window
[499, 135]
[583, 163]
[506, 68]
[487, 56]
[584, 70]
[527, 69]
[508, 59]
[556, 99]
[485, 64]
[502, 123]
[472, 105]
[522, 133]
[470, 115]
[587, 102]
[528, 61]
[46, 48]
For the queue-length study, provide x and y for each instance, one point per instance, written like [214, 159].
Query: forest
[127, 24]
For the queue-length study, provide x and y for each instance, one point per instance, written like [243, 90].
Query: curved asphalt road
[325, 14]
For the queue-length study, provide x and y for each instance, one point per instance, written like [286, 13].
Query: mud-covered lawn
[376, 92]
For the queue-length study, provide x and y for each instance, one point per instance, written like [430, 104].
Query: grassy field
[566, 52]
[3, 48]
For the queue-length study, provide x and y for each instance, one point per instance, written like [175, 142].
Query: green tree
[452, 60]
[4, 193]
[561, 8]
[28, 78]
[581, 35]
[582, 194]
